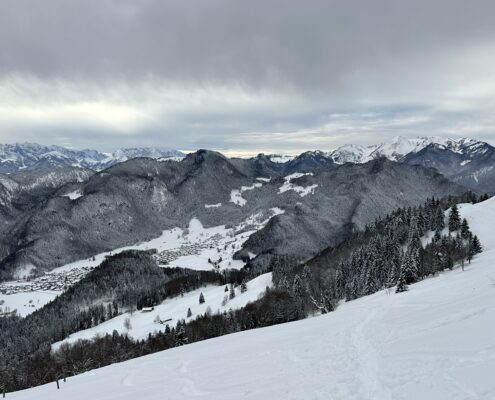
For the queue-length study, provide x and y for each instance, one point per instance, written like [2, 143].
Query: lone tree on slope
[201, 298]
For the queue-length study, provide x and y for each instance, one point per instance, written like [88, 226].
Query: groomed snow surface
[436, 341]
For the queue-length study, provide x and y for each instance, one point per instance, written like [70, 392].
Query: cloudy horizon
[244, 78]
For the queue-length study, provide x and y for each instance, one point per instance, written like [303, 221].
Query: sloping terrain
[471, 165]
[435, 341]
[136, 200]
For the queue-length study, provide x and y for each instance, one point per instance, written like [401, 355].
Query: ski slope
[436, 341]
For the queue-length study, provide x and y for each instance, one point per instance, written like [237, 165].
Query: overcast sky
[245, 76]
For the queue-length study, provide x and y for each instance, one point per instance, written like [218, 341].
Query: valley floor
[436, 341]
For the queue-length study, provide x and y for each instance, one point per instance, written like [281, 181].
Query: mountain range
[87, 213]
[24, 156]
[468, 162]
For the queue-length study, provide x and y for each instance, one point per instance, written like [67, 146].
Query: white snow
[264, 179]
[142, 323]
[301, 190]
[436, 341]
[25, 271]
[236, 195]
[25, 302]
[73, 195]
[281, 159]
[465, 162]
[213, 205]
[397, 148]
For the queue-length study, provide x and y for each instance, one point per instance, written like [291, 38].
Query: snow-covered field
[143, 323]
[436, 341]
[25, 302]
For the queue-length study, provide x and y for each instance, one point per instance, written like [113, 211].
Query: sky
[245, 77]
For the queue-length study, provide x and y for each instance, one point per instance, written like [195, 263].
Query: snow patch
[236, 195]
[73, 195]
[301, 190]
[213, 205]
[281, 159]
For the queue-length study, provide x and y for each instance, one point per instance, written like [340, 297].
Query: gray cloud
[244, 76]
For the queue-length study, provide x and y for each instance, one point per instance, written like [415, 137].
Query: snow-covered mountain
[435, 341]
[468, 162]
[23, 156]
[398, 148]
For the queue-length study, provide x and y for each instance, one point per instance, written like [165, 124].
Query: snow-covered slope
[174, 309]
[436, 341]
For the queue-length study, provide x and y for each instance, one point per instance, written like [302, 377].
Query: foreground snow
[436, 341]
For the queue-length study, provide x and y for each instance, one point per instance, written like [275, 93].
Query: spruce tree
[201, 298]
[243, 286]
[454, 219]
[232, 291]
[465, 229]
[401, 285]
[409, 266]
[180, 335]
[189, 313]
[439, 219]
[475, 245]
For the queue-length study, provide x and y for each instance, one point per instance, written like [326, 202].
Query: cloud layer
[244, 76]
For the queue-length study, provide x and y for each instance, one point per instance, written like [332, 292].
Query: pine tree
[454, 219]
[180, 335]
[465, 229]
[243, 286]
[401, 285]
[189, 313]
[475, 245]
[409, 266]
[232, 291]
[437, 237]
[297, 287]
[439, 219]
[201, 298]
[226, 288]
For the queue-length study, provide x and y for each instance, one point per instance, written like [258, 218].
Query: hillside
[433, 342]
[137, 200]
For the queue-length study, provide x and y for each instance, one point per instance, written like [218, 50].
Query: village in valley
[53, 282]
